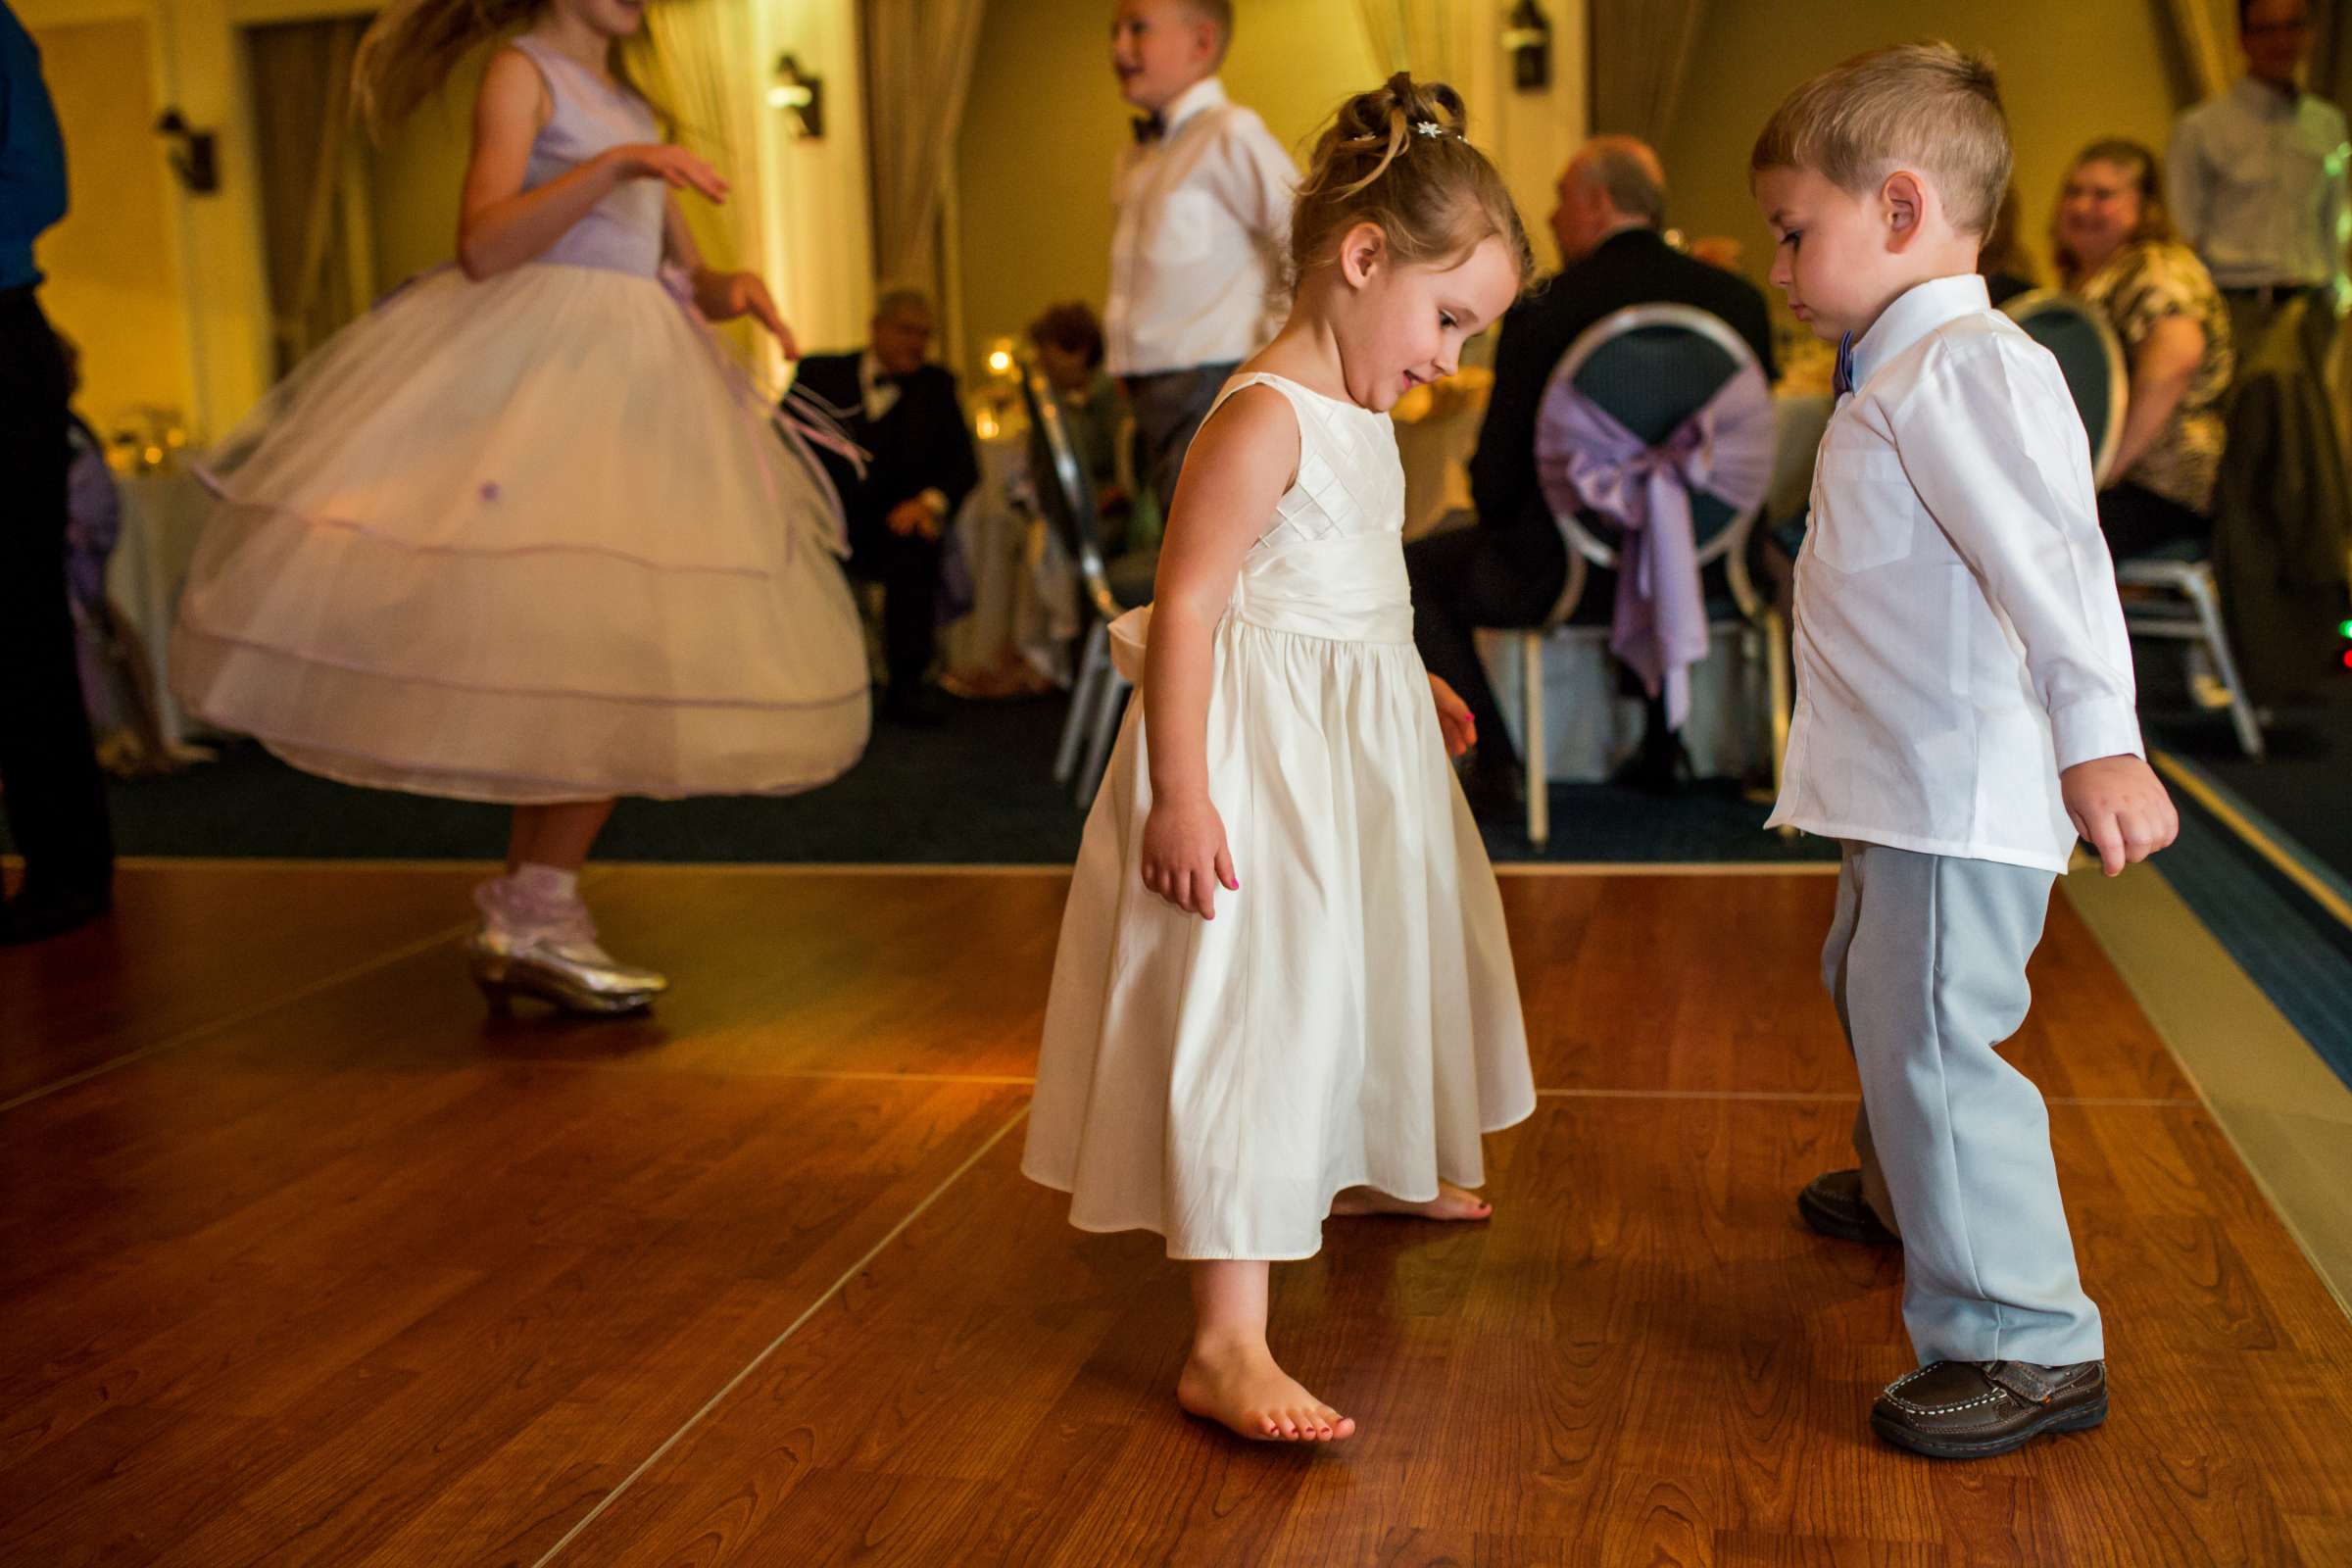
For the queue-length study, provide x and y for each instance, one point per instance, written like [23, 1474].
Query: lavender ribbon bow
[1585, 461]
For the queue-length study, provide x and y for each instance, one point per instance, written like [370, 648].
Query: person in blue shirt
[49, 779]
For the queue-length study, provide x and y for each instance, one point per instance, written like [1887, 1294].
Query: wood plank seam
[753, 1364]
[188, 1037]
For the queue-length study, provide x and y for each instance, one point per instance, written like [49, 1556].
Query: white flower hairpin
[1429, 128]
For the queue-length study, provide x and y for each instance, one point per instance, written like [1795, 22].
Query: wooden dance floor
[305, 1260]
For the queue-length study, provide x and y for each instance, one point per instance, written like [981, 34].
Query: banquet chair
[2182, 600]
[2088, 355]
[1650, 367]
[1109, 587]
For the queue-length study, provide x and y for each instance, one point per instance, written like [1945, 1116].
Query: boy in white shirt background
[1204, 200]
[1964, 709]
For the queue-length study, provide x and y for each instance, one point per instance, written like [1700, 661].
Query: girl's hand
[1454, 717]
[1185, 857]
[679, 168]
[742, 294]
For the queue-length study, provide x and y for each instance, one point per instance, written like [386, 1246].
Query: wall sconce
[1527, 35]
[192, 157]
[800, 96]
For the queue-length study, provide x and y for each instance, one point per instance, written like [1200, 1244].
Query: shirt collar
[2266, 100]
[1916, 312]
[1207, 94]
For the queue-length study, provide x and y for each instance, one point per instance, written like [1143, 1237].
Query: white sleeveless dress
[1350, 1016]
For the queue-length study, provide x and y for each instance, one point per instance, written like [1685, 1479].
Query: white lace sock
[540, 903]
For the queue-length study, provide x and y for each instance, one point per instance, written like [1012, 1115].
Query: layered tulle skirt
[1350, 1016]
[529, 539]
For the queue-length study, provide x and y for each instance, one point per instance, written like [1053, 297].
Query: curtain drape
[2204, 35]
[1431, 38]
[709, 73]
[1640, 59]
[919, 69]
[300, 75]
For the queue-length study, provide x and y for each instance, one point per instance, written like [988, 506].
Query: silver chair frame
[1099, 690]
[1760, 626]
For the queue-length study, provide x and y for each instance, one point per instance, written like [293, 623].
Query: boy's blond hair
[1925, 106]
[1218, 14]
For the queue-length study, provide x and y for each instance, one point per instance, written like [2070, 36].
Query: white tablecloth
[1590, 729]
[1436, 455]
[1024, 584]
[162, 515]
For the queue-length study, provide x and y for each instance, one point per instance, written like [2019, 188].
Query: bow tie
[1148, 128]
[1841, 380]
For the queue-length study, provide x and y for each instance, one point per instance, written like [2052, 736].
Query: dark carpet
[977, 791]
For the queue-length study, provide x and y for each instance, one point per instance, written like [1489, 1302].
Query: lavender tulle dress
[530, 539]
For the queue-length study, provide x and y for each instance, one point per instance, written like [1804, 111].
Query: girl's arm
[501, 225]
[2161, 370]
[1238, 467]
[721, 296]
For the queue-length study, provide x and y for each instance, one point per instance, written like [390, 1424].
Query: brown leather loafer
[1974, 1409]
[1832, 1205]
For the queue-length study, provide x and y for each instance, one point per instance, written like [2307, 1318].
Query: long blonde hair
[1396, 157]
[409, 50]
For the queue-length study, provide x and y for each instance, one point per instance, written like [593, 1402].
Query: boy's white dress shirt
[1959, 636]
[1197, 253]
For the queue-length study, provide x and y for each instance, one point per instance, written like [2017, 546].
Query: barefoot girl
[1333, 1035]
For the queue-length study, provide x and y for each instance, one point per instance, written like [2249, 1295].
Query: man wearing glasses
[2257, 178]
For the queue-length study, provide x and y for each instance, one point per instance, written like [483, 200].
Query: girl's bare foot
[1240, 1386]
[1451, 1203]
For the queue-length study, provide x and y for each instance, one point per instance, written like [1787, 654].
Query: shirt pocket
[1870, 509]
[1188, 222]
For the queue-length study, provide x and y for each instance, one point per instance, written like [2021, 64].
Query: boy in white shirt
[1963, 710]
[1204, 202]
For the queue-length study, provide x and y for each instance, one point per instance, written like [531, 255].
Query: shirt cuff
[2097, 727]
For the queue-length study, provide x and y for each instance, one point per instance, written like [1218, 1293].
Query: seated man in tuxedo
[1508, 570]
[910, 415]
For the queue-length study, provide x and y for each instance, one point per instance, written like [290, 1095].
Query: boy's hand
[1454, 717]
[2118, 804]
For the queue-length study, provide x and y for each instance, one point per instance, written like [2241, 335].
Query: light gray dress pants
[1927, 963]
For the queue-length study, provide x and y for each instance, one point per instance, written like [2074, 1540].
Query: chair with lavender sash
[1655, 445]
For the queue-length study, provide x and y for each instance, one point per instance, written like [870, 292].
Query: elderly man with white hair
[908, 414]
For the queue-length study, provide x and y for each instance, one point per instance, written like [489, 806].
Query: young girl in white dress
[1283, 989]
[522, 533]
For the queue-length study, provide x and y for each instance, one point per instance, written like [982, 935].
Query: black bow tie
[1148, 128]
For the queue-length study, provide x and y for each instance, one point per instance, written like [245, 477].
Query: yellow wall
[2070, 72]
[413, 176]
[114, 282]
[1044, 120]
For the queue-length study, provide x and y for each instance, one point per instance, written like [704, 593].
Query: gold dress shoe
[560, 967]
